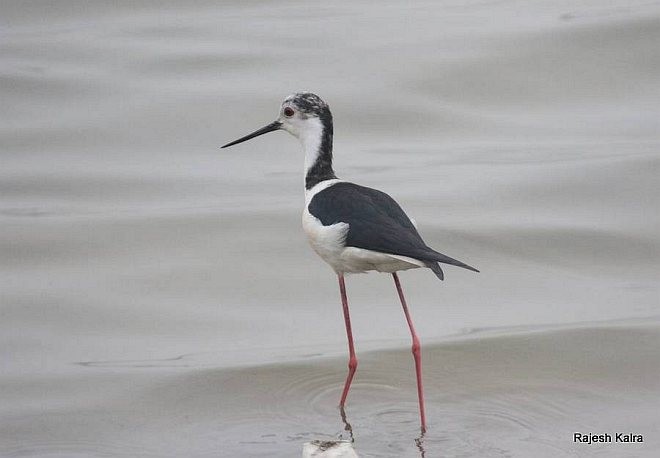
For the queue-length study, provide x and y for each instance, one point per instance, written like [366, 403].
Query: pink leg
[352, 362]
[416, 351]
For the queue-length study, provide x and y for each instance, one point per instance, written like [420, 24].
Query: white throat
[310, 138]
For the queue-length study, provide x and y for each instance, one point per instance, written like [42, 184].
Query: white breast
[326, 241]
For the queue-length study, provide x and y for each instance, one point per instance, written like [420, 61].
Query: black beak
[264, 130]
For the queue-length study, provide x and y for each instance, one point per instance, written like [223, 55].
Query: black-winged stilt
[351, 227]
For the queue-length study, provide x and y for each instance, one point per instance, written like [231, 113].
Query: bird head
[304, 115]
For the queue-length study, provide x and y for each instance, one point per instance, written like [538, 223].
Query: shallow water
[157, 296]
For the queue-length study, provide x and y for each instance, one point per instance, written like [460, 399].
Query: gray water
[157, 295]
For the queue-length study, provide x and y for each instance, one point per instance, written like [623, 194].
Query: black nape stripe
[322, 170]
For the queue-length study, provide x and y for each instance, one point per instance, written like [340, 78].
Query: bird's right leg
[352, 361]
[416, 351]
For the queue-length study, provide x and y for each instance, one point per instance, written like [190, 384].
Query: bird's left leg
[416, 351]
[352, 361]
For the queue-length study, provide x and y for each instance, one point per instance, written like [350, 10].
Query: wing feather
[376, 222]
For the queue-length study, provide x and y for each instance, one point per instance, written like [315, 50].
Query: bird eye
[288, 112]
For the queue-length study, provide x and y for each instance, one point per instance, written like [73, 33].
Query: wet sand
[157, 295]
[498, 392]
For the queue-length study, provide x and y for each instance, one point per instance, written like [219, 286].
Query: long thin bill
[264, 130]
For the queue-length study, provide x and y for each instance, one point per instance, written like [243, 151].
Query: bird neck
[317, 144]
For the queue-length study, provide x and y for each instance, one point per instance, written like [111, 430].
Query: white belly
[329, 242]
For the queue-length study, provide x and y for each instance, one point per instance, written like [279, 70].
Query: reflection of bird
[328, 449]
[353, 228]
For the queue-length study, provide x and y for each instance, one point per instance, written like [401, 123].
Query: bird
[353, 228]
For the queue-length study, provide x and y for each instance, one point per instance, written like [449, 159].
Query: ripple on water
[500, 395]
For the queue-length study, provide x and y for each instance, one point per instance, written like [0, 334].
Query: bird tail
[432, 263]
[437, 270]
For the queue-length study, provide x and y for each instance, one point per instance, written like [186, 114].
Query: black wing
[376, 222]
